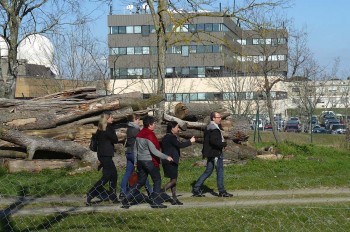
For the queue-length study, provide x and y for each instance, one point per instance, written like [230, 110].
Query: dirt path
[40, 205]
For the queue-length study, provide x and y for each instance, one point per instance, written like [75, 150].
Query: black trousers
[109, 175]
[145, 168]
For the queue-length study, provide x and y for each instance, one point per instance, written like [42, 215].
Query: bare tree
[299, 53]
[307, 91]
[21, 18]
[269, 60]
[163, 12]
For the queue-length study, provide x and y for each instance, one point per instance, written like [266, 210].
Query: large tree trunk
[29, 115]
[13, 166]
[33, 144]
[196, 111]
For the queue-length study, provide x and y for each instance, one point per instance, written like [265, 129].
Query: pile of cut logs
[51, 129]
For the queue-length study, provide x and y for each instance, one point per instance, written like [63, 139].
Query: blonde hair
[102, 123]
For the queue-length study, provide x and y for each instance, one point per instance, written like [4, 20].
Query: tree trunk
[30, 115]
[33, 144]
[14, 166]
[182, 124]
[196, 111]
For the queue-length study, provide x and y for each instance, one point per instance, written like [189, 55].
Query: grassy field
[323, 164]
[274, 219]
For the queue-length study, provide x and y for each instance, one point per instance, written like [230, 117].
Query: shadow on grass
[206, 189]
[7, 224]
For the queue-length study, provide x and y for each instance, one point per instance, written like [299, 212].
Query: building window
[130, 50]
[201, 72]
[193, 96]
[216, 48]
[122, 51]
[274, 42]
[114, 51]
[208, 27]
[146, 72]
[185, 71]
[129, 30]
[192, 27]
[169, 72]
[200, 27]
[185, 50]
[137, 29]
[121, 30]
[200, 48]
[255, 41]
[185, 98]
[145, 30]
[193, 49]
[201, 96]
[138, 50]
[145, 50]
[282, 41]
[281, 57]
[170, 97]
[178, 97]
[216, 27]
[114, 30]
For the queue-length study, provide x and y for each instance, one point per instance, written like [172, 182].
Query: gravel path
[34, 205]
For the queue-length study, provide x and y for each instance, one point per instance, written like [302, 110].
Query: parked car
[319, 130]
[313, 120]
[292, 126]
[324, 116]
[268, 127]
[259, 124]
[337, 129]
[329, 121]
[294, 119]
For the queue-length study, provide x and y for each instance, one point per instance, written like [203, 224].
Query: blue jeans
[128, 172]
[209, 170]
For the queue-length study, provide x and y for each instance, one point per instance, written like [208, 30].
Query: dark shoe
[121, 196]
[125, 206]
[88, 201]
[113, 198]
[103, 196]
[158, 206]
[197, 194]
[225, 194]
[176, 202]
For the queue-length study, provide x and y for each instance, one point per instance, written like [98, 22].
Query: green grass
[318, 165]
[313, 166]
[291, 218]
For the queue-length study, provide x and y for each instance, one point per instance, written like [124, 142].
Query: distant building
[204, 56]
[205, 47]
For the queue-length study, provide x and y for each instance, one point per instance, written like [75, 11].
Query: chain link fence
[268, 197]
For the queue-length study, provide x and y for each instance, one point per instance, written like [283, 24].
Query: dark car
[320, 130]
[330, 121]
[337, 129]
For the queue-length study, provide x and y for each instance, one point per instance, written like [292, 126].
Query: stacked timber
[60, 125]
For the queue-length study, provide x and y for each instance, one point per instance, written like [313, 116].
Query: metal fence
[55, 201]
